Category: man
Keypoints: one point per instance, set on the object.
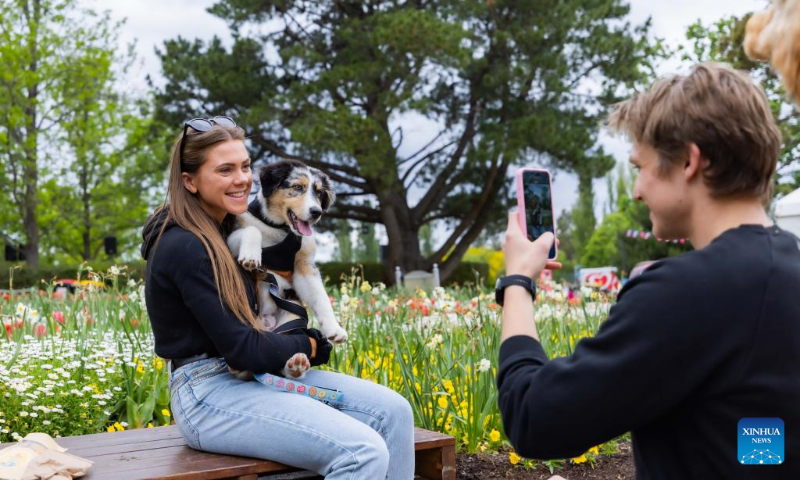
(535, 218)
(697, 342)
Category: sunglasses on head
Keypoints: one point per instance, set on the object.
(204, 125)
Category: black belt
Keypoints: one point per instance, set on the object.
(177, 363)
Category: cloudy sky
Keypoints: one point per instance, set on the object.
(150, 22)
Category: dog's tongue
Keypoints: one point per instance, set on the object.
(303, 227)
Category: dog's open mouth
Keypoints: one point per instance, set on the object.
(303, 227)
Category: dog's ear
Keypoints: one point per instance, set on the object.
(328, 195)
(272, 176)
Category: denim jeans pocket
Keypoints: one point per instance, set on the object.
(204, 372)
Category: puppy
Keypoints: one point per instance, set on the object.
(293, 197)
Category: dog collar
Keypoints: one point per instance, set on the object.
(254, 209)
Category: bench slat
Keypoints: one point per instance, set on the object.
(162, 453)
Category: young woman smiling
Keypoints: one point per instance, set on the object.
(203, 310)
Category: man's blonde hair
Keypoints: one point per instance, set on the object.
(720, 110)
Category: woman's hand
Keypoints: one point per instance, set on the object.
(524, 257)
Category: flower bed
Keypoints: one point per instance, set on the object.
(84, 363)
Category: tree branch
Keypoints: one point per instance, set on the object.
(327, 167)
(333, 214)
(423, 148)
(489, 188)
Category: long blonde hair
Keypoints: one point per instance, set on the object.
(185, 209)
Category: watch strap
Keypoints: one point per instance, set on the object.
(520, 280)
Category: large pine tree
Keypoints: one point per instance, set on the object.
(509, 82)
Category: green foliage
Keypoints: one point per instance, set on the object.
(367, 246)
(609, 246)
(722, 41)
(77, 157)
(509, 82)
(344, 245)
(493, 258)
(465, 273)
(426, 239)
(23, 276)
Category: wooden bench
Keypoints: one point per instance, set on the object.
(161, 453)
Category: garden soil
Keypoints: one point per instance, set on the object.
(483, 466)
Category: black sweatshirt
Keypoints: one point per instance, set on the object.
(187, 315)
(693, 345)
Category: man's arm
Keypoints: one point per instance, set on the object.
(518, 314)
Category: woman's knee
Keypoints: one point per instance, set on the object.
(399, 410)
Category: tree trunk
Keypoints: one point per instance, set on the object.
(403, 236)
(30, 168)
(584, 218)
(87, 211)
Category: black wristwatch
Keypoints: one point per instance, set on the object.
(521, 280)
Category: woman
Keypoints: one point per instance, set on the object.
(203, 310)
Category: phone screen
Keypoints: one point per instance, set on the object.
(538, 205)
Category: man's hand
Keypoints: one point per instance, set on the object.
(524, 257)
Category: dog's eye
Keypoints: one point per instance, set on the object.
(298, 188)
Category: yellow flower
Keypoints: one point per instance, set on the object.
(514, 458)
(594, 451)
(140, 369)
(494, 435)
(149, 425)
(118, 427)
(110, 428)
(366, 287)
(165, 412)
(580, 459)
(442, 401)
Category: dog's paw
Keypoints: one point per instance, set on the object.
(334, 332)
(250, 258)
(297, 366)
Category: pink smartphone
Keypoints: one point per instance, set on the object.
(535, 204)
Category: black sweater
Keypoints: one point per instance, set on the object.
(693, 345)
(187, 315)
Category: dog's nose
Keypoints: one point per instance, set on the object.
(315, 213)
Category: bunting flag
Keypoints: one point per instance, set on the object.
(643, 235)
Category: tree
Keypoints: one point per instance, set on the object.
(610, 246)
(111, 180)
(722, 41)
(59, 122)
(426, 237)
(367, 246)
(508, 81)
(344, 245)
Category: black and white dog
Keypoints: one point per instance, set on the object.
(293, 197)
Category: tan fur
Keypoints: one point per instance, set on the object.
(774, 35)
(303, 265)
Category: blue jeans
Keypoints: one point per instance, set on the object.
(370, 435)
